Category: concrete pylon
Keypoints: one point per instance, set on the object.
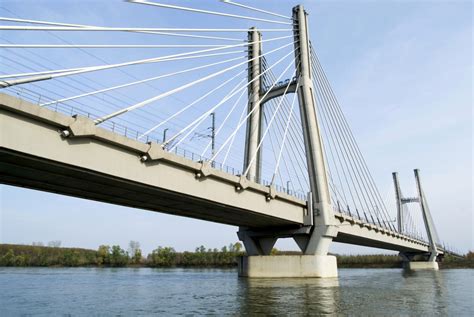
(398, 197)
(408, 258)
(324, 228)
(254, 122)
(253, 246)
(429, 225)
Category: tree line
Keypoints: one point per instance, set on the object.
(114, 256)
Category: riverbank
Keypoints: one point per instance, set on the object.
(115, 256)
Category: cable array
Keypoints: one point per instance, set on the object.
(358, 194)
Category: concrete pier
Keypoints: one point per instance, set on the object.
(422, 265)
(288, 266)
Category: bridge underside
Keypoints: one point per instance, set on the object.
(32, 172)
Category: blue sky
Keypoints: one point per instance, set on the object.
(402, 71)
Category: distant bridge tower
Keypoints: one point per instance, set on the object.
(427, 220)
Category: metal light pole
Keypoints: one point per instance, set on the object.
(213, 136)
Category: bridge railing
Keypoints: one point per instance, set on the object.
(121, 129)
(362, 216)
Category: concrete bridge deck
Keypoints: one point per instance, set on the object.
(100, 165)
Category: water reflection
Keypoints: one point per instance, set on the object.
(169, 292)
(283, 296)
(431, 286)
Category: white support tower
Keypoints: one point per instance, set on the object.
(254, 123)
(317, 243)
(429, 225)
(398, 197)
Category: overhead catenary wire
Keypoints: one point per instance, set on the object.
(194, 10)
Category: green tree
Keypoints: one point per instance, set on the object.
(8, 259)
(70, 258)
(118, 256)
(103, 255)
(162, 256)
(20, 260)
(137, 257)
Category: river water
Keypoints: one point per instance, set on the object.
(143, 291)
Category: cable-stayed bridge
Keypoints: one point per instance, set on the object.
(281, 161)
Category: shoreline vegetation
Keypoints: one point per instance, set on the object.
(37, 255)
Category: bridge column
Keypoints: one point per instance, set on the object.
(429, 225)
(324, 228)
(254, 122)
(254, 246)
(398, 197)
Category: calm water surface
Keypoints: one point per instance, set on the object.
(104, 291)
